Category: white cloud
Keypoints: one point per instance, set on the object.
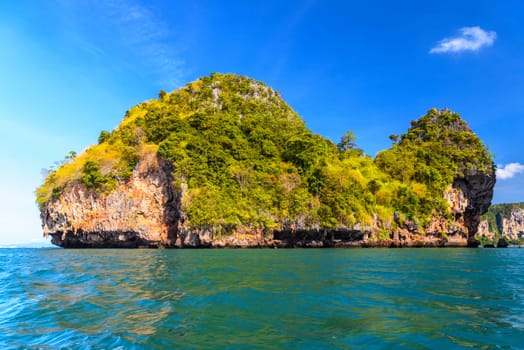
(144, 31)
(509, 171)
(131, 32)
(470, 39)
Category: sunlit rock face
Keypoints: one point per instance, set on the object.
(513, 227)
(139, 212)
(468, 197)
(510, 226)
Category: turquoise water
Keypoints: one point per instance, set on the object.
(298, 298)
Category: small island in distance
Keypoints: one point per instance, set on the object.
(225, 162)
(502, 225)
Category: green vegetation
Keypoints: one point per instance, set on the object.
(247, 159)
(94, 180)
(437, 148)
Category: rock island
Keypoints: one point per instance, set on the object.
(225, 162)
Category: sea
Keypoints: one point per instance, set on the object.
(262, 299)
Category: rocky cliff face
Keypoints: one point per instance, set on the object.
(510, 227)
(142, 211)
(513, 227)
(475, 192)
(468, 197)
(146, 211)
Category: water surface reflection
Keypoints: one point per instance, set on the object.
(336, 298)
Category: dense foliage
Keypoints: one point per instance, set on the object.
(245, 158)
(437, 148)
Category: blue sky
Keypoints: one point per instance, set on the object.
(72, 68)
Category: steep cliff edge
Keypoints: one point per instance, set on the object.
(503, 221)
(142, 211)
(478, 192)
(225, 162)
(513, 227)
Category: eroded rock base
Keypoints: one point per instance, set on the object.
(279, 239)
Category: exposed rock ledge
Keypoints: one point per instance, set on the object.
(146, 211)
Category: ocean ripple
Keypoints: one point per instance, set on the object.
(313, 298)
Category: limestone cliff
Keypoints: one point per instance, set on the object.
(504, 221)
(146, 211)
(139, 212)
(477, 192)
(513, 227)
(225, 162)
(468, 198)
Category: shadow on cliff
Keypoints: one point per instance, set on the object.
(173, 217)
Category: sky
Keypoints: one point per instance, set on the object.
(69, 69)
